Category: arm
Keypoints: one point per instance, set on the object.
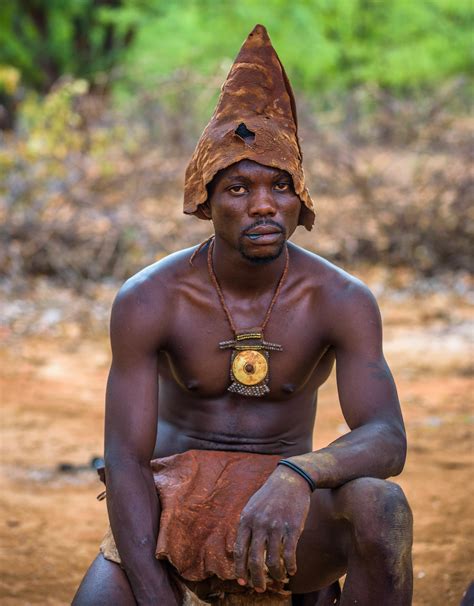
(130, 431)
(375, 446)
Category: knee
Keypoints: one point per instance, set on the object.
(382, 521)
(104, 583)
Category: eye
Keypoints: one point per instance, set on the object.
(283, 186)
(238, 190)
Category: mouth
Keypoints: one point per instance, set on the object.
(265, 238)
(264, 233)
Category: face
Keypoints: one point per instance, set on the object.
(254, 209)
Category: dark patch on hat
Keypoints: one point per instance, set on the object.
(244, 133)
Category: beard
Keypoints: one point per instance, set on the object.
(259, 260)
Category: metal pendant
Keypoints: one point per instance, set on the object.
(249, 367)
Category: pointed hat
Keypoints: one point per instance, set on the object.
(255, 119)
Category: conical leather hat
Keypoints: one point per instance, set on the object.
(255, 119)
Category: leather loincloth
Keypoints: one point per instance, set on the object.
(202, 494)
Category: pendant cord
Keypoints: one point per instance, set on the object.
(216, 284)
(199, 248)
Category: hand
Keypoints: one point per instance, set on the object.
(270, 526)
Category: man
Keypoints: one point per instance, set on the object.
(223, 348)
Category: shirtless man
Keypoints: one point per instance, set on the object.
(169, 372)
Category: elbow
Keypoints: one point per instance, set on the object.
(113, 459)
(398, 451)
(117, 462)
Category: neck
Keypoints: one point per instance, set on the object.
(236, 273)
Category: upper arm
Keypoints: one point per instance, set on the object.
(365, 384)
(136, 334)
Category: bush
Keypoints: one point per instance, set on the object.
(91, 194)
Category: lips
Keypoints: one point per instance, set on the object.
(264, 238)
(264, 234)
(261, 230)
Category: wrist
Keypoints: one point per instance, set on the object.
(298, 471)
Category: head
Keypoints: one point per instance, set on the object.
(254, 209)
(255, 120)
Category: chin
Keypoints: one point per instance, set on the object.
(264, 256)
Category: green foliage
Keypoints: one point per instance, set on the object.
(89, 194)
(53, 124)
(48, 39)
(326, 45)
(90, 189)
(55, 214)
(9, 80)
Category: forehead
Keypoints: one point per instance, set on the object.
(250, 170)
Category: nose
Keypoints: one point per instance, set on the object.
(262, 203)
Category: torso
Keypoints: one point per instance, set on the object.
(195, 408)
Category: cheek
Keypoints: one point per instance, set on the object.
(227, 216)
(291, 216)
(231, 211)
(292, 209)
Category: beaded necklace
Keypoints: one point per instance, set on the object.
(249, 371)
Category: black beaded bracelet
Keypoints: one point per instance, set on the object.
(299, 471)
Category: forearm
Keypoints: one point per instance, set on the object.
(375, 450)
(134, 512)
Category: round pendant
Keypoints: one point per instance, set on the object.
(249, 367)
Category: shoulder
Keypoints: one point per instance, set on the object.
(142, 305)
(344, 301)
(333, 282)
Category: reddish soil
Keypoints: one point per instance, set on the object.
(52, 412)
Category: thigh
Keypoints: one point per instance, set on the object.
(321, 555)
(103, 584)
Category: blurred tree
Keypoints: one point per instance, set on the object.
(326, 45)
(9, 83)
(83, 38)
(83, 192)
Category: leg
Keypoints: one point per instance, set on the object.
(363, 528)
(325, 597)
(321, 555)
(104, 584)
(380, 568)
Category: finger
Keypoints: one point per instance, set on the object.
(256, 561)
(241, 549)
(274, 556)
(289, 551)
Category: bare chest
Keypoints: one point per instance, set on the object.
(198, 363)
